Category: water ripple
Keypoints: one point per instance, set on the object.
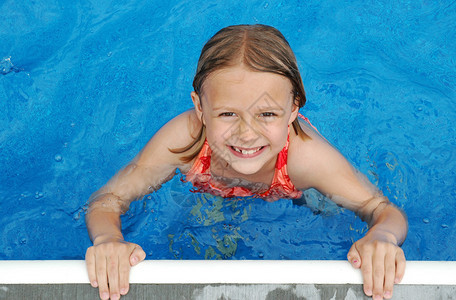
(6, 66)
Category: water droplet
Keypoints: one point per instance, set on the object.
(43, 213)
(444, 226)
(425, 220)
(261, 255)
(23, 241)
(58, 158)
(109, 54)
(73, 124)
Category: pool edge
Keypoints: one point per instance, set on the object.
(223, 271)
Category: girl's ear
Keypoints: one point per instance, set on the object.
(294, 113)
(198, 107)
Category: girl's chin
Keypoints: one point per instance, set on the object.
(245, 170)
(246, 167)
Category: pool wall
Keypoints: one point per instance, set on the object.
(223, 279)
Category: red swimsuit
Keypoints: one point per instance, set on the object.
(281, 186)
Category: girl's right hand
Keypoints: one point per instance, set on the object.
(109, 262)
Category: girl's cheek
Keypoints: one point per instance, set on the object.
(218, 133)
(223, 131)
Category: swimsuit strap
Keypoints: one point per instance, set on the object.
(307, 121)
(281, 186)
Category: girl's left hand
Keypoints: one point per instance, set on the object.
(382, 264)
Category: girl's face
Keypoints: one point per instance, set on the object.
(247, 115)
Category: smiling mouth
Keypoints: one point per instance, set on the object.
(249, 151)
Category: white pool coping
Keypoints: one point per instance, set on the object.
(223, 271)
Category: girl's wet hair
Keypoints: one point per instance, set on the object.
(258, 47)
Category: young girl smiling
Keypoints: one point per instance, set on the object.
(245, 137)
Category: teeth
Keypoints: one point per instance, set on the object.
(246, 152)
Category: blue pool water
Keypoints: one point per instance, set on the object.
(85, 84)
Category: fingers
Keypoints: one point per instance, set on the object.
(90, 264)
(400, 266)
(113, 277)
(124, 276)
(378, 271)
(102, 277)
(383, 265)
(108, 267)
(366, 271)
(353, 257)
(390, 273)
(137, 256)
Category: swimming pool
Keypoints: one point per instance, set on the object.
(84, 86)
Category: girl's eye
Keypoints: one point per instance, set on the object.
(268, 114)
(227, 114)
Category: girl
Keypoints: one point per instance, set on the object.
(245, 137)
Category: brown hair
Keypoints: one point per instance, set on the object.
(260, 48)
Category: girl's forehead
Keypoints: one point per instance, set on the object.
(240, 74)
(245, 85)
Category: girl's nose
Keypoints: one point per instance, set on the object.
(247, 132)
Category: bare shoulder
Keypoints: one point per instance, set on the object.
(180, 130)
(309, 160)
(177, 133)
(315, 163)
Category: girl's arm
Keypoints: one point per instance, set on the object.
(378, 253)
(109, 259)
(382, 261)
